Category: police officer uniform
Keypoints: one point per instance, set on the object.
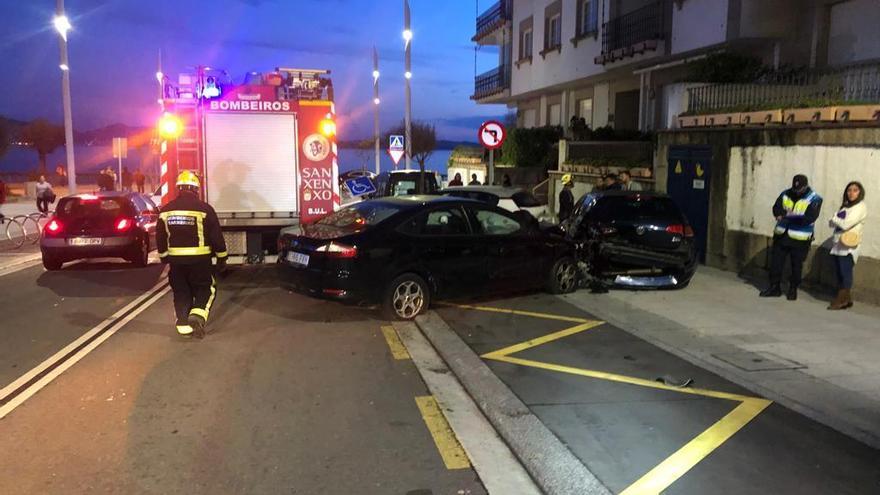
(796, 211)
(189, 236)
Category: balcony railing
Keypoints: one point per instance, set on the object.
(858, 83)
(642, 25)
(492, 82)
(492, 18)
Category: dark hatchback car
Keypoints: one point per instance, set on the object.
(403, 252)
(634, 239)
(102, 225)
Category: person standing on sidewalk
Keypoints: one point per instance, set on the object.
(45, 195)
(188, 235)
(847, 224)
(139, 180)
(566, 198)
(796, 211)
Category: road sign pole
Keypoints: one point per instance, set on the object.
(491, 180)
(120, 171)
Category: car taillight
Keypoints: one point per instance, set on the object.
(607, 230)
(688, 231)
(123, 224)
(53, 227)
(676, 229)
(337, 250)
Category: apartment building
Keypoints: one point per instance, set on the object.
(626, 63)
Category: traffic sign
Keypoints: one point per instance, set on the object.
(360, 186)
(120, 147)
(395, 147)
(492, 134)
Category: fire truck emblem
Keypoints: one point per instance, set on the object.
(316, 147)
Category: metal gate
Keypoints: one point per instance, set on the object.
(688, 185)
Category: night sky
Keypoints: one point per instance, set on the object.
(115, 43)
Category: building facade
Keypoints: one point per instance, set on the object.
(627, 63)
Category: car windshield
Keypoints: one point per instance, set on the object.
(525, 199)
(78, 208)
(635, 208)
(358, 217)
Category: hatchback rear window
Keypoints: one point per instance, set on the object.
(634, 209)
(358, 217)
(77, 208)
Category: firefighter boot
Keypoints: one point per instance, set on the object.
(198, 325)
(773, 291)
(185, 331)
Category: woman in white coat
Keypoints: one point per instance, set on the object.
(848, 224)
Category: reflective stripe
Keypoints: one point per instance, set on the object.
(184, 329)
(200, 228)
(800, 235)
(189, 251)
(182, 213)
(796, 210)
(221, 254)
(199, 312)
(163, 254)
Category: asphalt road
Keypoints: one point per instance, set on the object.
(288, 394)
(595, 387)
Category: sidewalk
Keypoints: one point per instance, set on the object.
(823, 364)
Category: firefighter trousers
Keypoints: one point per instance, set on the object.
(194, 289)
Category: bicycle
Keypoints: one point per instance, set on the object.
(14, 231)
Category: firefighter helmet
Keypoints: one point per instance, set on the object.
(187, 178)
(566, 179)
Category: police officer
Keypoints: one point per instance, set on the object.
(566, 198)
(188, 235)
(796, 210)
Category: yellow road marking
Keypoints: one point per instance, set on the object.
(398, 351)
(542, 340)
(612, 377)
(450, 450)
(546, 316)
(683, 460)
(676, 465)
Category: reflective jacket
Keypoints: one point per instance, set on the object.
(798, 215)
(189, 231)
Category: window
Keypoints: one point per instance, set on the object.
(555, 114)
(493, 223)
(448, 221)
(525, 44)
(525, 199)
(635, 209)
(588, 17)
(76, 208)
(585, 111)
(554, 32)
(354, 218)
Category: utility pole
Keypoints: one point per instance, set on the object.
(407, 36)
(376, 107)
(62, 25)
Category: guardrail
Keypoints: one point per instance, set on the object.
(640, 25)
(493, 17)
(850, 84)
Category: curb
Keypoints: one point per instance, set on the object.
(549, 462)
(613, 308)
(20, 263)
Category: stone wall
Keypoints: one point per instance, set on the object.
(750, 167)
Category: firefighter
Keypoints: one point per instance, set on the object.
(566, 198)
(188, 235)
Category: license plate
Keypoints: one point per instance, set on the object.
(85, 241)
(298, 258)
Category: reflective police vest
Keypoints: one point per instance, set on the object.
(796, 210)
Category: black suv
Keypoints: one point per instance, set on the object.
(102, 225)
(634, 239)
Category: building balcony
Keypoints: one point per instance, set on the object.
(492, 85)
(631, 34)
(493, 19)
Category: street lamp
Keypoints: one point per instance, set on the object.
(407, 37)
(376, 109)
(62, 25)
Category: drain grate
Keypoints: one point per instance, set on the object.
(758, 361)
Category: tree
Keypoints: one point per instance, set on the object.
(424, 140)
(44, 138)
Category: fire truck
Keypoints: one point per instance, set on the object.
(265, 150)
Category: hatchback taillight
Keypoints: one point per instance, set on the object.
(124, 224)
(675, 229)
(688, 231)
(53, 227)
(337, 250)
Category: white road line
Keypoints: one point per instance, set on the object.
(52, 361)
(20, 264)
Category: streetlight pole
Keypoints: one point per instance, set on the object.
(62, 25)
(376, 107)
(407, 36)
